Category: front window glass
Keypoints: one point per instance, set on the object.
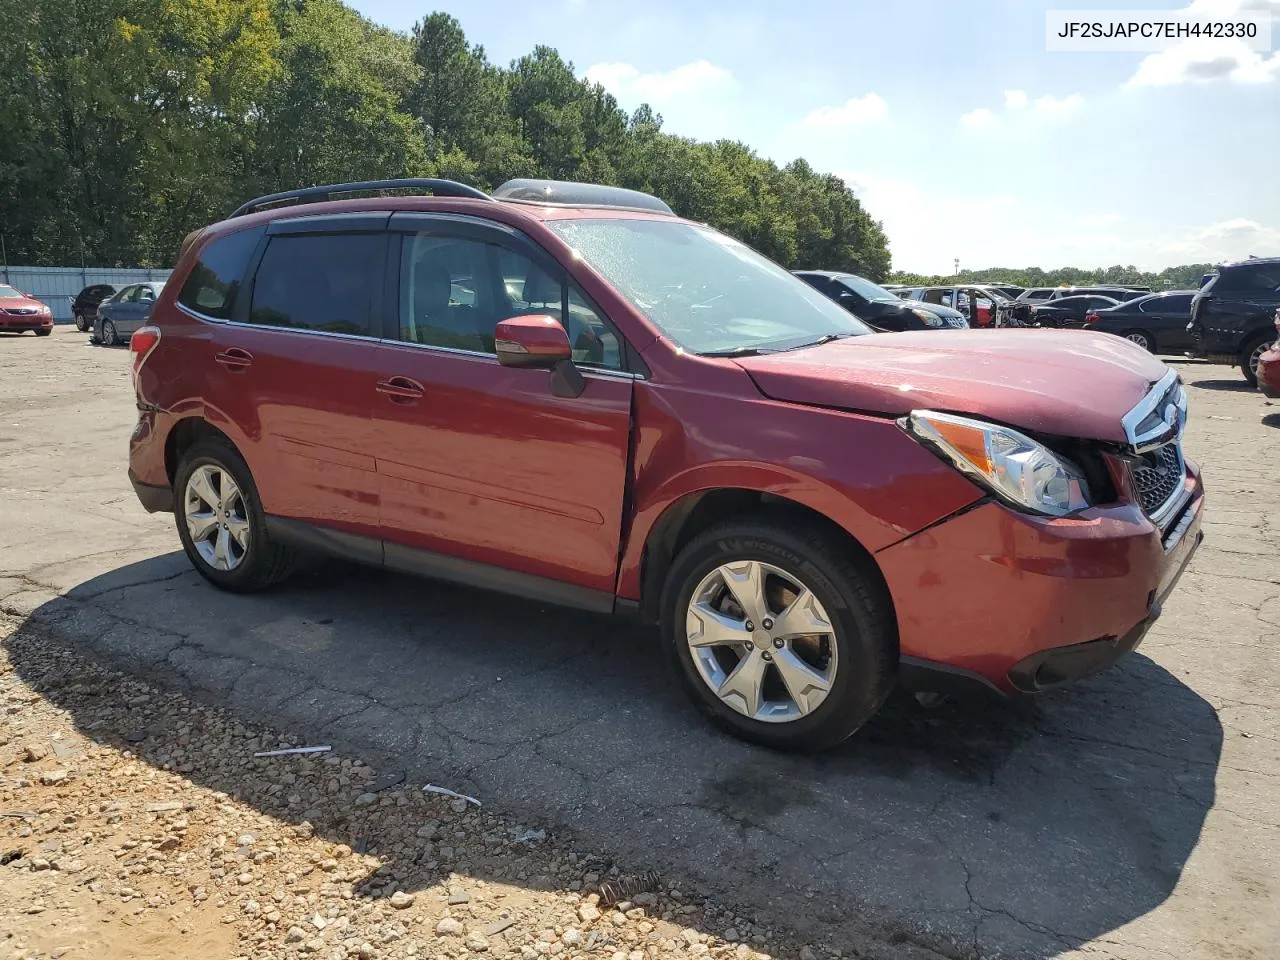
(706, 291)
(7, 292)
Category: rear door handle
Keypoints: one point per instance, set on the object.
(401, 389)
(234, 359)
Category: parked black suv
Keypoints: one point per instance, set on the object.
(84, 305)
(1233, 315)
(878, 307)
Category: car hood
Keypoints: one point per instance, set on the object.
(1066, 383)
(7, 303)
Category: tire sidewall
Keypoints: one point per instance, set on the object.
(109, 337)
(859, 688)
(222, 455)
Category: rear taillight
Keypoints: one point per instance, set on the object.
(1091, 318)
(141, 345)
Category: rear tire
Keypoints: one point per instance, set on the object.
(1254, 349)
(238, 554)
(109, 337)
(1142, 339)
(836, 676)
(81, 323)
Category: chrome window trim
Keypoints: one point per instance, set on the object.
(456, 351)
(585, 371)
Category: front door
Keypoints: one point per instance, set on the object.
(479, 462)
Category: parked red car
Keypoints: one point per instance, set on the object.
(566, 392)
(1269, 366)
(19, 313)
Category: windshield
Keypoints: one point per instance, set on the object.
(7, 292)
(866, 288)
(706, 291)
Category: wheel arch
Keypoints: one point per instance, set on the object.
(184, 435)
(690, 514)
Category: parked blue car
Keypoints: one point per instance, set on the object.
(122, 314)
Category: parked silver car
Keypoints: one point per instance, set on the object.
(122, 314)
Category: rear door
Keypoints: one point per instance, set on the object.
(1167, 318)
(294, 369)
(480, 463)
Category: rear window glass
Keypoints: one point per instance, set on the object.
(318, 282)
(212, 284)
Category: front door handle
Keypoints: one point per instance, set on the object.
(234, 359)
(401, 389)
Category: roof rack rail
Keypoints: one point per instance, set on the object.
(440, 188)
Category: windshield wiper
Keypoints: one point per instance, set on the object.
(736, 352)
(825, 338)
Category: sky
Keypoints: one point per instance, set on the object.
(950, 120)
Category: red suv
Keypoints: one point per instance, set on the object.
(566, 392)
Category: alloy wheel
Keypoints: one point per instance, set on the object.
(1140, 339)
(1256, 357)
(761, 641)
(216, 517)
(108, 333)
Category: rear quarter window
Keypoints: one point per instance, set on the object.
(212, 285)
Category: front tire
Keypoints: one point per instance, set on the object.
(81, 324)
(43, 333)
(109, 337)
(1249, 356)
(779, 634)
(221, 523)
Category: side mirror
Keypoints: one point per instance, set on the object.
(536, 341)
(539, 342)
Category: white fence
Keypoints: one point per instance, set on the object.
(57, 285)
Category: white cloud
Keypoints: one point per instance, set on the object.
(1232, 239)
(854, 112)
(624, 80)
(1017, 100)
(1052, 105)
(927, 227)
(982, 117)
(1204, 61)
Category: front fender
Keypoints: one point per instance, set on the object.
(863, 473)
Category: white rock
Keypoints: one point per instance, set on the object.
(401, 900)
(449, 927)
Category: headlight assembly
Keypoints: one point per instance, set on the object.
(1011, 465)
(929, 319)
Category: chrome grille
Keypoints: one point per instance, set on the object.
(1157, 476)
(22, 311)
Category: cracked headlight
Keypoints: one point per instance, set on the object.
(1011, 465)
